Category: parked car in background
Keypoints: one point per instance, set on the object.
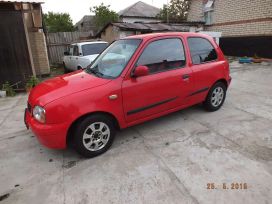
(134, 80)
(80, 55)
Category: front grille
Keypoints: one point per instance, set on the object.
(29, 107)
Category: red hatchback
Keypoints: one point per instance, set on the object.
(135, 79)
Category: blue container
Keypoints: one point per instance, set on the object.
(245, 60)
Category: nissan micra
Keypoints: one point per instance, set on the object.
(134, 80)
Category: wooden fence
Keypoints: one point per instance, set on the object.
(58, 43)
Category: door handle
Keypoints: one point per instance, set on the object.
(185, 76)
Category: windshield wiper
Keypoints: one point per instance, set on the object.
(94, 71)
(97, 73)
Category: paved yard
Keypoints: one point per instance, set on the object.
(167, 160)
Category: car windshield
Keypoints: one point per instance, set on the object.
(93, 49)
(112, 61)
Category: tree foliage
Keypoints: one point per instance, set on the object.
(58, 22)
(177, 11)
(103, 15)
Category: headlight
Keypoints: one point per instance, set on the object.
(39, 114)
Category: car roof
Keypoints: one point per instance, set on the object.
(89, 42)
(170, 34)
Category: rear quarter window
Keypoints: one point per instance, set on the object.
(202, 51)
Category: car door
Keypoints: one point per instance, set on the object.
(75, 57)
(68, 58)
(205, 65)
(165, 87)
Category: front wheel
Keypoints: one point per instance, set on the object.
(216, 97)
(65, 68)
(94, 135)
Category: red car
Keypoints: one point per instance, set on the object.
(135, 79)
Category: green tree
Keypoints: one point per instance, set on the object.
(58, 22)
(103, 15)
(175, 11)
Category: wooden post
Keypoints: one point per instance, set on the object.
(27, 42)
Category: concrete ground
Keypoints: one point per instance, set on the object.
(168, 160)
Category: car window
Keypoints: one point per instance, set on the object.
(93, 49)
(201, 50)
(163, 55)
(71, 48)
(75, 50)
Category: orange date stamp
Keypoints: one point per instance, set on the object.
(226, 186)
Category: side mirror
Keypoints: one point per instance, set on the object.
(66, 53)
(140, 71)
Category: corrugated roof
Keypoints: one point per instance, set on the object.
(153, 27)
(140, 9)
(22, 1)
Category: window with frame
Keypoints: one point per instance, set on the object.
(75, 51)
(201, 50)
(208, 8)
(208, 17)
(162, 55)
(71, 48)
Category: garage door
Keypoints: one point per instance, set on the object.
(14, 57)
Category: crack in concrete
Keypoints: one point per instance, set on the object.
(13, 136)
(168, 170)
(256, 116)
(237, 147)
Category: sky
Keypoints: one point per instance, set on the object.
(78, 8)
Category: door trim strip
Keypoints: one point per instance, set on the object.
(151, 106)
(199, 91)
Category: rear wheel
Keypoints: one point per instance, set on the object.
(65, 68)
(94, 135)
(216, 97)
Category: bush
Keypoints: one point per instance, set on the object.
(31, 83)
(8, 88)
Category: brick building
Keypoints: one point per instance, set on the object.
(23, 50)
(246, 25)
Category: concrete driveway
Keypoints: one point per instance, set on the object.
(168, 160)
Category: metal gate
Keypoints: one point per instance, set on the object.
(15, 63)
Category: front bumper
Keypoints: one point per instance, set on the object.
(50, 135)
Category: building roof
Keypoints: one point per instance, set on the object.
(140, 9)
(153, 27)
(22, 1)
(86, 18)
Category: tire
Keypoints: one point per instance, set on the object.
(79, 68)
(215, 97)
(65, 68)
(94, 135)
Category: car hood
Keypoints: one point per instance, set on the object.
(64, 85)
(90, 57)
